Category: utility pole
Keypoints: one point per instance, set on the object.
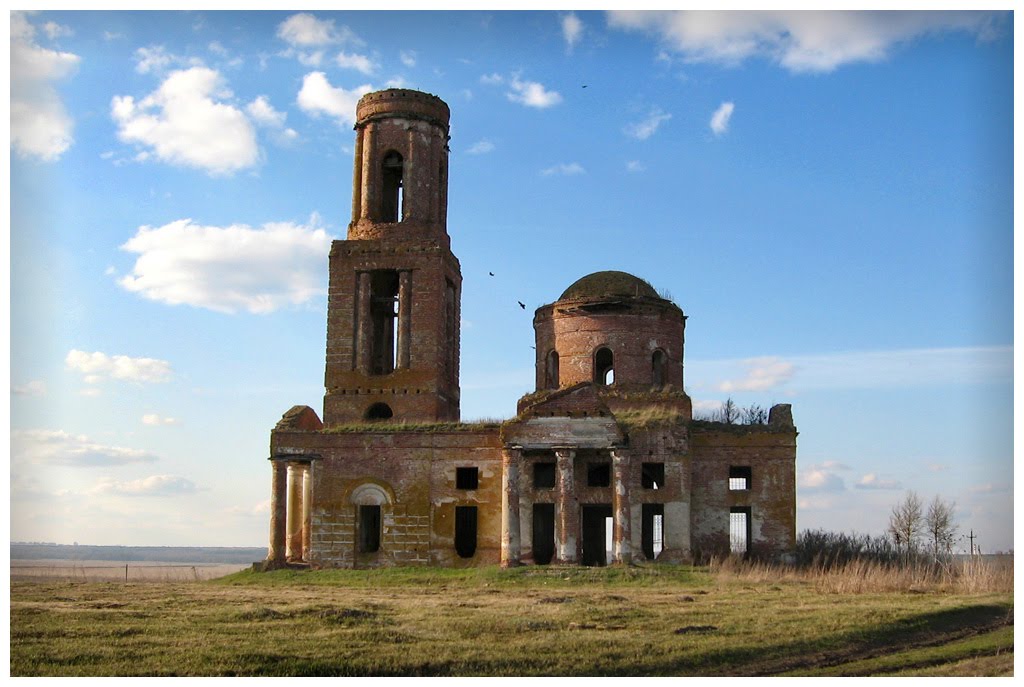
(972, 537)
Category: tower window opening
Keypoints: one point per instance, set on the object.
(392, 202)
(658, 369)
(384, 313)
(551, 370)
(379, 411)
(604, 368)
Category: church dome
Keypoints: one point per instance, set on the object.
(609, 283)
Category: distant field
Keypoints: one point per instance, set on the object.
(119, 571)
(659, 620)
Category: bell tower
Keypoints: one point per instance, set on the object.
(395, 287)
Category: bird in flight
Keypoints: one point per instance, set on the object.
(491, 273)
(521, 305)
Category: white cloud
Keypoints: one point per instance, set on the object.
(305, 30)
(156, 485)
(112, 35)
(873, 481)
(152, 59)
(408, 57)
(53, 30)
(532, 94)
(572, 30)
(799, 41)
(361, 63)
(819, 478)
(40, 125)
(185, 122)
(154, 420)
(835, 465)
(481, 147)
(635, 166)
(260, 509)
(96, 367)
(720, 119)
(564, 169)
(264, 114)
(646, 128)
(396, 82)
(34, 388)
(56, 447)
(216, 47)
(318, 96)
(227, 269)
(492, 79)
(762, 374)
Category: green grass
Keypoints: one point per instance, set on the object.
(657, 620)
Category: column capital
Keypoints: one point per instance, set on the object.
(565, 451)
(620, 455)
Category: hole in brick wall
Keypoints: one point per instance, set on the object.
(652, 475)
(391, 192)
(652, 529)
(599, 474)
(465, 531)
(379, 411)
(658, 369)
(543, 533)
(551, 370)
(604, 372)
(543, 475)
(467, 478)
(369, 529)
(739, 477)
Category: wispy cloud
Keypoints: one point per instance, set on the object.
(720, 119)
(564, 169)
(481, 147)
(97, 366)
(155, 485)
(799, 41)
(56, 447)
(317, 96)
(572, 30)
(762, 374)
(34, 388)
(154, 420)
(361, 63)
(646, 127)
(532, 94)
(635, 166)
(873, 481)
(408, 57)
(820, 478)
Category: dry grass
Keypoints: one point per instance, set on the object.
(114, 571)
(960, 576)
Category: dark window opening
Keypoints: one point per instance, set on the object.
(369, 529)
(658, 369)
(599, 474)
(391, 209)
(379, 411)
(465, 531)
(551, 371)
(652, 529)
(543, 533)
(652, 475)
(543, 475)
(739, 530)
(739, 477)
(596, 531)
(467, 478)
(384, 314)
(604, 372)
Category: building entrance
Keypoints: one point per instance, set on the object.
(594, 525)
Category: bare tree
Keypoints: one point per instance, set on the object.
(906, 523)
(729, 413)
(754, 415)
(939, 526)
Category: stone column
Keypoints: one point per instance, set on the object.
(357, 178)
(307, 508)
(364, 339)
(369, 187)
(567, 525)
(622, 531)
(294, 512)
(404, 317)
(510, 532)
(278, 510)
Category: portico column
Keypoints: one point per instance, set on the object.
(294, 512)
(307, 512)
(621, 532)
(365, 320)
(278, 510)
(404, 317)
(510, 532)
(567, 525)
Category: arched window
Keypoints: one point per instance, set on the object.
(379, 411)
(604, 367)
(391, 188)
(551, 370)
(658, 369)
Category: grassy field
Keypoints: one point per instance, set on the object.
(529, 621)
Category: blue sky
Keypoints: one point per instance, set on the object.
(828, 196)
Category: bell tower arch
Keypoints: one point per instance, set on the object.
(395, 286)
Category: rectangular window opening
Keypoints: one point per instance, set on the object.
(652, 529)
(739, 477)
(467, 478)
(652, 476)
(543, 475)
(369, 529)
(465, 531)
(599, 474)
(384, 315)
(739, 531)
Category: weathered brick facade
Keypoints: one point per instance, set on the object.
(604, 451)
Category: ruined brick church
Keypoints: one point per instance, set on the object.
(603, 463)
